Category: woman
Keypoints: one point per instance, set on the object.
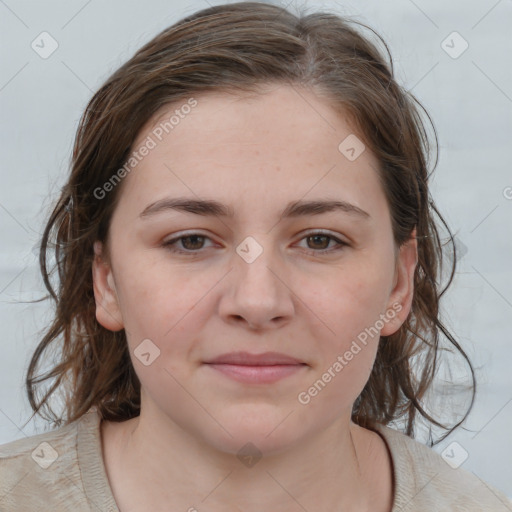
(248, 271)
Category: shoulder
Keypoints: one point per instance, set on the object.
(41, 471)
(424, 481)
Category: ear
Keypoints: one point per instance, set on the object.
(108, 312)
(400, 299)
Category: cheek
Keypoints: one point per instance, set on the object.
(347, 301)
(346, 358)
(154, 296)
(170, 313)
(349, 306)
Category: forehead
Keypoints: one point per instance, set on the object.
(236, 116)
(273, 147)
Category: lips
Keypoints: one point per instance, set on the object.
(247, 359)
(256, 369)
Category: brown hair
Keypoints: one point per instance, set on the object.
(236, 48)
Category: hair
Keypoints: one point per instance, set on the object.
(239, 48)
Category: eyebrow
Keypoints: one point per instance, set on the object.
(213, 208)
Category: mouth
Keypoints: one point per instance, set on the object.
(256, 368)
(247, 359)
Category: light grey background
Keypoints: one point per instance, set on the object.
(469, 98)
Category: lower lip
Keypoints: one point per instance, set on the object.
(257, 374)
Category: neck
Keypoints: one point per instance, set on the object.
(336, 469)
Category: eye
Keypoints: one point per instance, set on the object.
(194, 242)
(191, 242)
(320, 240)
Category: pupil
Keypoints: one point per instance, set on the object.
(316, 237)
(190, 237)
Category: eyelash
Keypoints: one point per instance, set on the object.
(170, 243)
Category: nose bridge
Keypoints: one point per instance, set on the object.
(259, 294)
(257, 264)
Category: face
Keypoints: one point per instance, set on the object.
(316, 284)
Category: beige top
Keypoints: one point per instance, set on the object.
(63, 470)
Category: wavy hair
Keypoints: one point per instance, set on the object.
(236, 48)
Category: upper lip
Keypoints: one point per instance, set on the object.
(247, 359)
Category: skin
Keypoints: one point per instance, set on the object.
(255, 153)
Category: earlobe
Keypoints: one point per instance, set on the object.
(108, 312)
(400, 299)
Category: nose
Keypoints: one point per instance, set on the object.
(258, 294)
